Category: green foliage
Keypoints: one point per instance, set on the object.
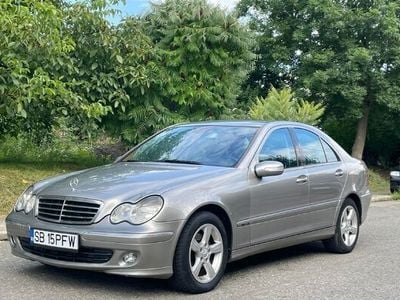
(345, 54)
(30, 42)
(341, 129)
(141, 110)
(378, 180)
(55, 151)
(39, 73)
(183, 61)
(383, 140)
(282, 105)
(93, 72)
(204, 53)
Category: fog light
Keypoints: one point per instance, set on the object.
(129, 258)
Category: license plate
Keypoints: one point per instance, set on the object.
(54, 239)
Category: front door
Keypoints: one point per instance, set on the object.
(277, 202)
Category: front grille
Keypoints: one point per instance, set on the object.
(84, 255)
(68, 211)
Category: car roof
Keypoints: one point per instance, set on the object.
(240, 123)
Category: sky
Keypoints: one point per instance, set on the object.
(138, 7)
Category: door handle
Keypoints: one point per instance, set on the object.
(339, 173)
(302, 179)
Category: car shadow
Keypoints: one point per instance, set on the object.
(98, 281)
(271, 257)
(125, 286)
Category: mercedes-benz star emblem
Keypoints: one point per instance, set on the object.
(74, 183)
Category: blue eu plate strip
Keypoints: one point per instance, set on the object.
(31, 234)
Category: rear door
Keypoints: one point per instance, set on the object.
(325, 174)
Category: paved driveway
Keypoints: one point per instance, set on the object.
(371, 271)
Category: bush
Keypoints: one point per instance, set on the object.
(282, 105)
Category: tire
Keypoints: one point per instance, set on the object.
(347, 229)
(204, 256)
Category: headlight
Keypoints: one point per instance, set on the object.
(26, 201)
(395, 173)
(30, 204)
(138, 213)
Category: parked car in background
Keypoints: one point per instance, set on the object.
(395, 181)
(194, 197)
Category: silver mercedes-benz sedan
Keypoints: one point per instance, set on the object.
(192, 198)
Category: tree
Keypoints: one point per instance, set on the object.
(64, 62)
(94, 66)
(343, 53)
(30, 42)
(38, 70)
(205, 53)
(184, 60)
(142, 110)
(282, 105)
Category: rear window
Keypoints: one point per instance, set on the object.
(311, 147)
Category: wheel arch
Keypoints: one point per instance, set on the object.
(222, 214)
(357, 201)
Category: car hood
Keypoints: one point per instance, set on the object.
(128, 181)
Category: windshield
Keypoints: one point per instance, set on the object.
(204, 145)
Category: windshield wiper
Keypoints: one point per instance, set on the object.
(179, 161)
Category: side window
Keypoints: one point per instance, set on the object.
(331, 155)
(311, 146)
(279, 147)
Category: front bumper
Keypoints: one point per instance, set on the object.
(152, 243)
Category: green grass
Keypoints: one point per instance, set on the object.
(379, 181)
(59, 150)
(396, 196)
(23, 162)
(15, 177)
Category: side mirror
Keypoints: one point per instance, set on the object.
(268, 168)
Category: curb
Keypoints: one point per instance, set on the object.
(380, 198)
(3, 233)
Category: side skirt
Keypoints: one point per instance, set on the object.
(297, 239)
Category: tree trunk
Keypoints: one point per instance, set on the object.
(361, 135)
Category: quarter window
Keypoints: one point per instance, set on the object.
(331, 156)
(311, 147)
(279, 147)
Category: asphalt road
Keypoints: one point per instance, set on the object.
(371, 271)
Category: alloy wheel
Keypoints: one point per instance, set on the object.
(206, 253)
(349, 225)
